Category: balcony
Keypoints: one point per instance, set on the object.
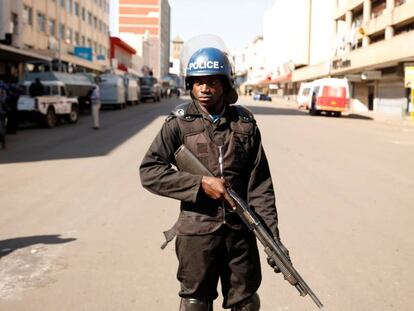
(380, 54)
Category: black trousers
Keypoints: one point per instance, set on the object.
(226, 254)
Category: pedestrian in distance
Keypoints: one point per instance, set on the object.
(95, 106)
(36, 88)
(212, 242)
(3, 119)
(14, 92)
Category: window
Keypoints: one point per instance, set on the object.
(41, 22)
(62, 3)
(83, 41)
(89, 43)
(14, 23)
(399, 2)
(333, 91)
(69, 5)
(83, 14)
(52, 27)
(89, 18)
(28, 15)
(61, 31)
(68, 35)
(55, 90)
(76, 8)
(77, 38)
(378, 7)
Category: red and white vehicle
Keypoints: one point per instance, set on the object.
(328, 94)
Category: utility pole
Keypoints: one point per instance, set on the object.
(59, 36)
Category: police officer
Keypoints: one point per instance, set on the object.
(212, 243)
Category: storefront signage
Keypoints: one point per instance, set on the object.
(409, 77)
(83, 52)
(341, 63)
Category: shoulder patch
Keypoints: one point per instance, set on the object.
(181, 112)
(244, 113)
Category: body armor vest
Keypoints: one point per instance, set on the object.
(235, 135)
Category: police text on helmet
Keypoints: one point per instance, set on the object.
(204, 65)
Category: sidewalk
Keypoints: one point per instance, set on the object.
(379, 117)
(387, 119)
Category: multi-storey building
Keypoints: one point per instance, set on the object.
(374, 41)
(254, 61)
(176, 47)
(149, 19)
(296, 34)
(74, 31)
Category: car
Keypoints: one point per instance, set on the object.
(262, 96)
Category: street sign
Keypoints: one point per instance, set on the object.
(409, 77)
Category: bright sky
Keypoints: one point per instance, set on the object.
(236, 21)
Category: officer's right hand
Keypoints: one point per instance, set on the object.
(215, 188)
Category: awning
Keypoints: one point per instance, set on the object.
(10, 53)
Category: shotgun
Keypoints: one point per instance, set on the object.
(188, 162)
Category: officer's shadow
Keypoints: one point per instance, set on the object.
(10, 245)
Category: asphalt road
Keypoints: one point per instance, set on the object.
(78, 232)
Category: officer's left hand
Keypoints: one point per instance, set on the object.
(285, 251)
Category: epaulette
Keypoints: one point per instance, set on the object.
(244, 113)
(181, 112)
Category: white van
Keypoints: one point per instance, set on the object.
(327, 94)
(304, 95)
(48, 108)
(132, 90)
(112, 90)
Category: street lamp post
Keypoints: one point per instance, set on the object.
(59, 38)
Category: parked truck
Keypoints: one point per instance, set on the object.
(49, 108)
(78, 85)
(149, 88)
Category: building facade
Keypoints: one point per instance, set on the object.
(176, 47)
(74, 31)
(373, 43)
(149, 19)
(296, 34)
(121, 55)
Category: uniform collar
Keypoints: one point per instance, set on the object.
(195, 109)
